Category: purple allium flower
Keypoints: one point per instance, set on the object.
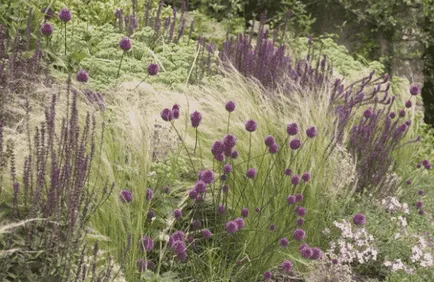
(230, 106)
(229, 141)
(251, 173)
(335, 261)
(359, 219)
(175, 107)
(206, 233)
(182, 256)
(419, 204)
(408, 122)
(302, 246)
(306, 252)
(218, 148)
(269, 140)
(291, 199)
(299, 234)
(421, 192)
(288, 172)
(257, 210)
(196, 224)
(175, 113)
(125, 44)
(166, 114)
(418, 166)
(178, 235)
(267, 275)
(392, 115)
(311, 132)
(146, 243)
(298, 197)
(227, 168)
(82, 76)
(421, 212)
(225, 188)
(195, 119)
(177, 214)
(292, 129)
(295, 179)
(300, 222)
(316, 253)
(231, 227)
(245, 212)
(284, 242)
(240, 222)
(306, 176)
(368, 113)
(47, 29)
(251, 125)
(199, 198)
(207, 176)
(152, 69)
(428, 166)
(408, 104)
(273, 149)
(200, 186)
(402, 113)
(65, 15)
(48, 13)
(234, 155)
(126, 196)
(286, 266)
(179, 247)
(221, 210)
(148, 194)
(166, 189)
(272, 227)
(300, 211)
(409, 182)
(151, 214)
(414, 89)
(219, 157)
(295, 144)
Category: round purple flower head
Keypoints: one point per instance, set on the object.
(421, 212)
(182, 256)
(151, 214)
(148, 194)
(65, 15)
(225, 188)
(47, 29)
(178, 235)
(267, 275)
(251, 125)
(200, 186)
(166, 114)
(300, 211)
(175, 113)
(179, 247)
(251, 173)
(295, 144)
(217, 148)
(245, 212)
(82, 76)
(126, 196)
(306, 176)
(234, 155)
(257, 210)
(152, 69)
(272, 227)
(146, 243)
(316, 253)
(414, 89)
(269, 140)
(291, 199)
(284, 242)
(231, 227)
(125, 44)
(408, 122)
(300, 222)
(392, 115)
(240, 222)
(409, 182)
(419, 204)
(48, 13)
(408, 104)
(421, 192)
(207, 176)
(425, 162)
(206, 233)
(299, 234)
(306, 252)
(286, 265)
(118, 13)
(298, 197)
(311, 132)
(359, 219)
(219, 157)
(273, 148)
(288, 172)
(335, 261)
(229, 141)
(221, 210)
(195, 119)
(175, 107)
(402, 113)
(177, 214)
(227, 168)
(292, 129)
(166, 189)
(368, 113)
(295, 179)
(230, 106)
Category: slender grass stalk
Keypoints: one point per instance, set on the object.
(65, 38)
(120, 63)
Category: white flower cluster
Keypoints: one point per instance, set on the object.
(398, 265)
(353, 246)
(392, 204)
(421, 254)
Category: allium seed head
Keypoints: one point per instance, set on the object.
(267, 275)
(335, 261)
(200, 186)
(177, 214)
(295, 144)
(292, 129)
(48, 13)
(47, 29)
(402, 113)
(257, 210)
(368, 113)
(221, 210)
(227, 168)
(408, 122)
(306, 252)
(207, 176)
(300, 211)
(126, 196)
(419, 204)
(225, 188)
(195, 119)
(175, 107)
(218, 148)
(182, 256)
(151, 214)
(125, 44)
(179, 247)
(65, 15)
(392, 115)
(300, 222)
(251, 125)
(421, 192)
(230, 106)
(299, 234)
(272, 227)
(359, 219)
(311, 132)
(409, 182)
(234, 155)
(219, 157)
(196, 224)
(229, 141)
(175, 114)
(152, 69)
(421, 212)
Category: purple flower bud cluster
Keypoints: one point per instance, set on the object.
(222, 149)
(126, 196)
(167, 114)
(425, 163)
(82, 76)
(65, 15)
(125, 44)
(251, 125)
(195, 118)
(152, 69)
(47, 29)
(146, 243)
(359, 219)
(177, 244)
(310, 253)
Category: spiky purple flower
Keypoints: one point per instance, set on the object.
(421, 212)
(316, 254)
(284, 242)
(82, 76)
(206, 233)
(229, 141)
(421, 192)
(207, 176)
(267, 275)
(298, 197)
(221, 210)
(272, 227)
(300, 211)
(288, 172)
(152, 69)
(392, 115)
(273, 148)
(225, 188)
(240, 222)
(269, 140)
(414, 89)
(368, 113)
(166, 114)
(48, 13)
(200, 186)
(257, 210)
(231, 227)
(402, 113)
(219, 157)
(359, 219)
(179, 247)
(419, 204)
(218, 148)
(408, 104)
(146, 243)
(306, 176)
(196, 224)
(286, 265)
(335, 261)
(151, 214)
(251, 125)
(291, 199)
(311, 132)
(306, 252)
(300, 222)
(175, 113)
(126, 196)
(195, 119)
(295, 144)
(234, 155)
(125, 44)
(65, 15)
(227, 168)
(295, 179)
(178, 235)
(245, 212)
(299, 234)
(230, 106)
(47, 29)
(148, 194)
(251, 173)
(292, 129)
(144, 265)
(177, 214)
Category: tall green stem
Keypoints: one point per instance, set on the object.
(65, 38)
(120, 63)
